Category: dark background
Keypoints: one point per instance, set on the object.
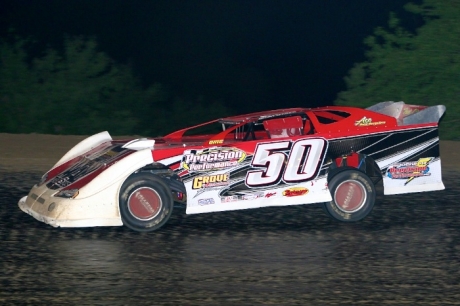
(272, 53)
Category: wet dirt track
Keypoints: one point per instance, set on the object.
(406, 253)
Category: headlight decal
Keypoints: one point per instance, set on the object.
(69, 193)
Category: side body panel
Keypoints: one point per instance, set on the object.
(409, 159)
(256, 174)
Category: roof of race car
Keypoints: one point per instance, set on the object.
(261, 115)
(380, 115)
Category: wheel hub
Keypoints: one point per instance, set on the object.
(144, 204)
(350, 196)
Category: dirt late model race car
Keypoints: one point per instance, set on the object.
(329, 155)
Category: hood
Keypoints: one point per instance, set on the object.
(80, 170)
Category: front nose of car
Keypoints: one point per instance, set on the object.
(39, 204)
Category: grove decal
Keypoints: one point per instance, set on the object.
(368, 122)
(209, 181)
(212, 159)
(295, 191)
(410, 170)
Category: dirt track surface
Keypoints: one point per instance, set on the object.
(407, 252)
(34, 152)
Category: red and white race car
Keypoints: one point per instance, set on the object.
(330, 155)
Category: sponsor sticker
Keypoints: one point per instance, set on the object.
(295, 191)
(212, 159)
(270, 194)
(252, 196)
(227, 199)
(207, 201)
(410, 170)
(368, 122)
(217, 141)
(411, 109)
(208, 181)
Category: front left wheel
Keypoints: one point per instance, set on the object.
(146, 202)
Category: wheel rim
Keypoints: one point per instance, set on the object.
(144, 204)
(350, 196)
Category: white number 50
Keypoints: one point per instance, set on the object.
(302, 163)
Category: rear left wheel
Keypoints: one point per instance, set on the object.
(353, 196)
(146, 202)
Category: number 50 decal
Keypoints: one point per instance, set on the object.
(302, 164)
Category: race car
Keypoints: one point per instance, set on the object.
(333, 155)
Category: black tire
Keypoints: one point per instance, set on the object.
(353, 196)
(146, 202)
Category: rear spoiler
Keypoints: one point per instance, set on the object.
(406, 114)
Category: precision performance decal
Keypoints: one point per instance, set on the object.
(212, 159)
